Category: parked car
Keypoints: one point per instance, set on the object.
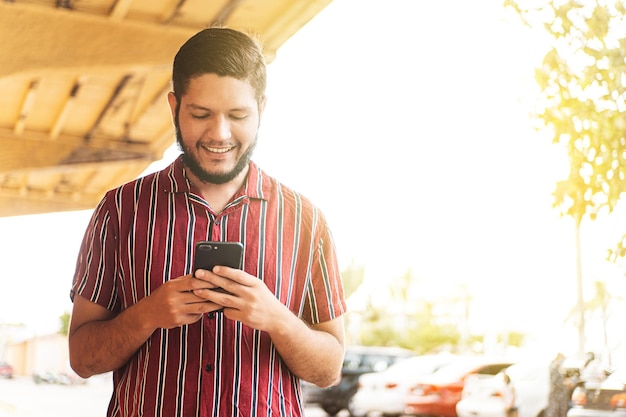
(438, 393)
(59, 378)
(607, 400)
(6, 370)
(526, 382)
(358, 360)
(385, 392)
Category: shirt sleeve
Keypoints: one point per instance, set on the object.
(96, 266)
(325, 295)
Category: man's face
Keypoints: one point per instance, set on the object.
(216, 127)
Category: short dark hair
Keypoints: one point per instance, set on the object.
(221, 51)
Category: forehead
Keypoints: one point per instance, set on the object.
(212, 88)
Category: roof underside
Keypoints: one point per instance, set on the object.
(84, 82)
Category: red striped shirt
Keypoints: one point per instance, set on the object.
(143, 234)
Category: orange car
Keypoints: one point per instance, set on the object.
(438, 393)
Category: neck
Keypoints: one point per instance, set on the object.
(218, 195)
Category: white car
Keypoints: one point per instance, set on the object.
(384, 392)
(488, 396)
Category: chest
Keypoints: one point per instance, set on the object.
(157, 244)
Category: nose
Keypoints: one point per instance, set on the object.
(220, 128)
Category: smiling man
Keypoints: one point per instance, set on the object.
(175, 346)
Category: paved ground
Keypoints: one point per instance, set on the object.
(21, 397)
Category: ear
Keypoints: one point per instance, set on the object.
(171, 99)
(261, 109)
(262, 103)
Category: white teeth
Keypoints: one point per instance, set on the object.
(218, 150)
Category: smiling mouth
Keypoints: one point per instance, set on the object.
(218, 150)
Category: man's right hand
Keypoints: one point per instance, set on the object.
(100, 341)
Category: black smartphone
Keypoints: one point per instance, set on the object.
(209, 254)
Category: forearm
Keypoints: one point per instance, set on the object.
(101, 346)
(313, 353)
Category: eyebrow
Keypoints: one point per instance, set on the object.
(193, 106)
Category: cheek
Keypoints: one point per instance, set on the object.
(247, 135)
(249, 130)
(190, 129)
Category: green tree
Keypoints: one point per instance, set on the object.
(599, 306)
(425, 334)
(406, 320)
(352, 278)
(64, 320)
(581, 105)
(420, 333)
(377, 329)
(515, 339)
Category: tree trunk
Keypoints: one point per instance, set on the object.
(579, 285)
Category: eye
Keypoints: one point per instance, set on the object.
(201, 116)
(238, 116)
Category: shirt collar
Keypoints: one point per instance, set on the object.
(258, 184)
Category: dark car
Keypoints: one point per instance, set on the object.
(6, 370)
(606, 400)
(358, 360)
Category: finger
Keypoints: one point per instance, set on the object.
(211, 280)
(209, 294)
(203, 306)
(190, 297)
(201, 274)
(204, 277)
(217, 296)
(234, 275)
(200, 280)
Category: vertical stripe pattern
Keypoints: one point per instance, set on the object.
(142, 234)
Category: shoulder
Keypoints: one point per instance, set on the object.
(280, 190)
(171, 178)
(145, 189)
(289, 199)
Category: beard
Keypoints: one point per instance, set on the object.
(202, 174)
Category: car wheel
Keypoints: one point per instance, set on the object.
(331, 409)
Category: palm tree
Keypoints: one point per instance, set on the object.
(598, 305)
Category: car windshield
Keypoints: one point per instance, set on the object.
(370, 360)
(526, 370)
(457, 369)
(418, 365)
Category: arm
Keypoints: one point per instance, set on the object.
(312, 352)
(100, 341)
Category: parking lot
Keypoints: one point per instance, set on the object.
(21, 397)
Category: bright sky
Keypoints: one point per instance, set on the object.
(405, 121)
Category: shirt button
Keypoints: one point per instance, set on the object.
(208, 368)
(211, 315)
(217, 222)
